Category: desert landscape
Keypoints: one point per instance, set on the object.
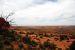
(49, 37)
(36, 37)
(37, 24)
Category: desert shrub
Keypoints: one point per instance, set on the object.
(1, 45)
(6, 42)
(41, 47)
(27, 34)
(18, 38)
(72, 37)
(72, 46)
(41, 36)
(46, 35)
(56, 39)
(67, 49)
(51, 46)
(26, 40)
(63, 37)
(33, 43)
(59, 48)
(32, 33)
(21, 46)
(51, 35)
(10, 36)
(9, 48)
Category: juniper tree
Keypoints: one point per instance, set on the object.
(4, 31)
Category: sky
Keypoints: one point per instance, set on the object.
(39, 12)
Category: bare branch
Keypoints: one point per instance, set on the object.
(11, 20)
(9, 15)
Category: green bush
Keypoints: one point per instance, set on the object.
(33, 43)
(26, 40)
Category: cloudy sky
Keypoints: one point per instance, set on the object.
(40, 12)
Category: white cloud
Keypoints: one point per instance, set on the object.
(41, 12)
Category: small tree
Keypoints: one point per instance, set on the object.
(4, 31)
(4, 24)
